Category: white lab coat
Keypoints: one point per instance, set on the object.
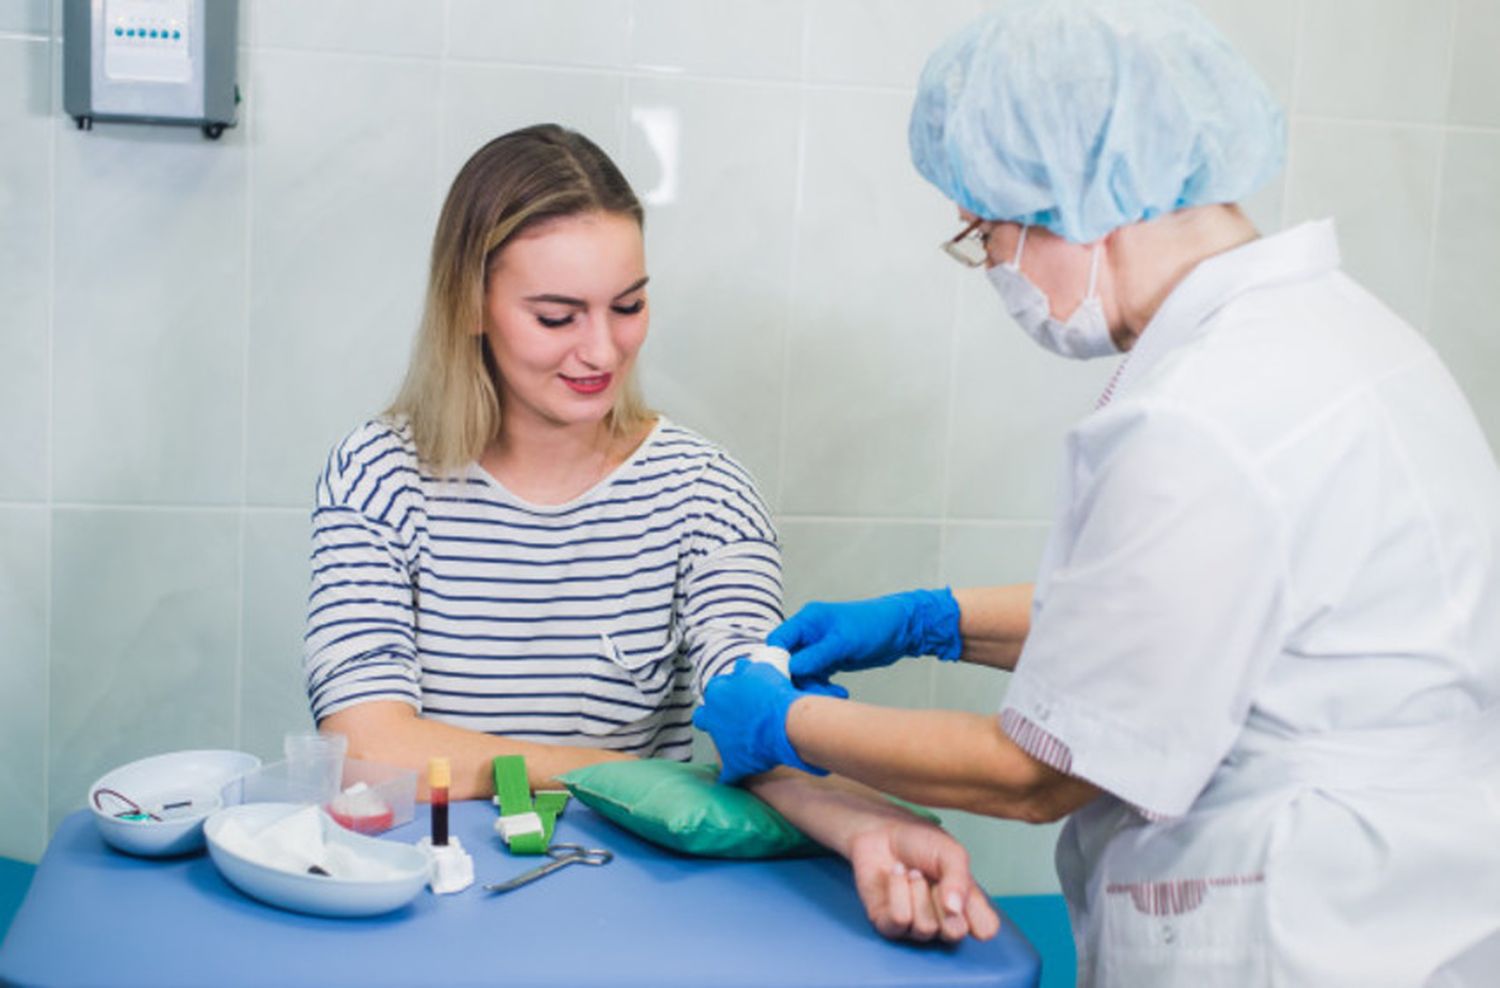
(1268, 627)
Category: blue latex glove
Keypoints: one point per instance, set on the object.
(745, 712)
(865, 634)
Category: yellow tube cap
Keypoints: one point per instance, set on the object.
(439, 773)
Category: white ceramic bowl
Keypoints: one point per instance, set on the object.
(197, 777)
(319, 895)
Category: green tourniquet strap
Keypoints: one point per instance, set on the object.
(511, 787)
(550, 802)
(532, 843)
(513, 793)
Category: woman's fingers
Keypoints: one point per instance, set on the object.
(925, 924)
(982, 919)
(898, 905)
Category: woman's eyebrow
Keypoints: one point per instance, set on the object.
(558, 299)
(635, 287)
(580, 303)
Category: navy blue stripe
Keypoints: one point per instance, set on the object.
(356, 483)
(648, 708)
(546, 581)
(552, 714)
(404, 606)
(380, 633)
(593, 636)
(579, 561)
(655, 511)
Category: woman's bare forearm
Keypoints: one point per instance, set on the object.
(829, 809)
(994, 622)
(391, 731)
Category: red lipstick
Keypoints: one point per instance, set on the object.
(588, 385)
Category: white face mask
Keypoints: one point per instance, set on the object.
(1082, 335)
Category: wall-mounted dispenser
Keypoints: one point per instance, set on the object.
(151, 61)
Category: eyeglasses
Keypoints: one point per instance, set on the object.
(970, 247)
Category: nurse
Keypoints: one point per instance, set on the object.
(1259, 669)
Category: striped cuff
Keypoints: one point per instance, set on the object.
(1037, 743)
(1047, 749)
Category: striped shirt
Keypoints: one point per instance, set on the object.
(594, 622)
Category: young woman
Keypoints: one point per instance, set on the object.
(520, 558)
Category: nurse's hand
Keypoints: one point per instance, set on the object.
(745, 713)
(865, 634)
(913, 878)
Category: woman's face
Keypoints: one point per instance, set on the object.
(565, 313)
(1056, 266)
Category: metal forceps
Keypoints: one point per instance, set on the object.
(562, 855)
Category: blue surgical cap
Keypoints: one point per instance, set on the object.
(1084, 115)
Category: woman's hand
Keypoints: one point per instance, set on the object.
(913, 878)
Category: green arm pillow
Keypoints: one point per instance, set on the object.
(682, 807)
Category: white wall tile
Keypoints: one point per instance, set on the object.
(143, 641)
(149, 325)
(977, 555)
(850, 560)
(760, 40)
(23, 698)
(1378, 183)
(716, 165)
(1375, 59)
(872, 321)
(1265, 33)
(272, 700)
(390, 27)
(1266, 206)
(1466, 264)
(1475, 94)
(481, 102)
(25, 272)
(344, 206)
(1013, 403)
(982, 556)
(558, 32)
(878, 42)
(25, 17)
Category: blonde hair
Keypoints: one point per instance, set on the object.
(450, 397)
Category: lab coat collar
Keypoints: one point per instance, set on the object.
(1304, 251)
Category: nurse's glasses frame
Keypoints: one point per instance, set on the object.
(970, 248)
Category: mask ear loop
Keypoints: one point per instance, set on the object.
(1094, 272)
(1015, 264)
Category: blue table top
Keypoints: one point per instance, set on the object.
(650, 918)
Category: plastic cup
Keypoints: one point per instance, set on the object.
(315, 760)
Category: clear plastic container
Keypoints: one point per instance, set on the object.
(315, 757)
(371, 798)
(375, 797)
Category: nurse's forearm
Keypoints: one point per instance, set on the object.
(994, 622)
(391, 731)
(933, 757)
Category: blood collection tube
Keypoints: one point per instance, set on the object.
(439, 775)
